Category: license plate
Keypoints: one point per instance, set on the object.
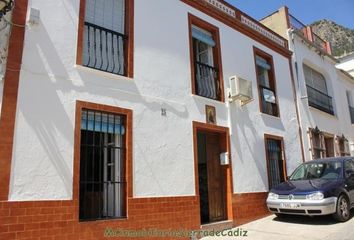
(290, 205)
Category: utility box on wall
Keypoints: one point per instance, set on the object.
(240, 89)
(224, 158)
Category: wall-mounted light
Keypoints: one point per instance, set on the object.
(5, 6)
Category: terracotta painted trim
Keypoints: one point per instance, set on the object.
(272, 77)
(297, 108)
(238, 26)
(80, 35)
(281, 139)
(10, 94)
(225, 146)
(129, 32)
(80, 105)
(193, 20)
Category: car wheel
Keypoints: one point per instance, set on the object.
(342, 213)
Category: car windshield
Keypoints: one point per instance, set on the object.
(319, 170)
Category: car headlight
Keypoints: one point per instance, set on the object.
(273, 196)
(315, 196)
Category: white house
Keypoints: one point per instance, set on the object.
(324, 93)
(117, 114)
(346, 63)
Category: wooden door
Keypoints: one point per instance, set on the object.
(216, 179)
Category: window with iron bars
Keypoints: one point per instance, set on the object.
(276, 164)
(104, 38)
(102, 166)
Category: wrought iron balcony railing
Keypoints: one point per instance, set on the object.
(308, 33)
(104, 49)
(319, 100)
(207, 81)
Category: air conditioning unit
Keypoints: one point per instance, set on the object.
(240, 89)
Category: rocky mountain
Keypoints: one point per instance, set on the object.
(341, 38)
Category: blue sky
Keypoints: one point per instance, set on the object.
(307, 11)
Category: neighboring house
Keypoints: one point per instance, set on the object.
(347, 63)
(119, 111)
(324, 93)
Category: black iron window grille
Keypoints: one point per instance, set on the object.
(318, 143)
(351, 111)
(102, 166)
(104, 41)
(275, 162)
(319, 100)
(207, 83)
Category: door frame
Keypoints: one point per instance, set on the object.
(223, 132)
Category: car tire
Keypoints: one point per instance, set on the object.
(342, 213)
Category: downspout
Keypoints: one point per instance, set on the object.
(295, 87)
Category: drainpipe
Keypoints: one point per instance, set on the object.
(296, 87)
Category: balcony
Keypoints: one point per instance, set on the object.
(207, 81)
(308, 34)
(319, 100)
(104, 49)
(351, 111)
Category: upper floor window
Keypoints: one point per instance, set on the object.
(205, 59)
(106, 36)
(266, 83)
(317, 90)
(350, 105)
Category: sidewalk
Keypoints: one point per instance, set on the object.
(294, 228)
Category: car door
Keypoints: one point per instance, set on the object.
(349, 178)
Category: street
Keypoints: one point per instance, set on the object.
(295, 228)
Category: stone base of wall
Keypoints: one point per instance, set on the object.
(248, 207)
(57, 220)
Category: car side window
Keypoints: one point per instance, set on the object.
(349, 168)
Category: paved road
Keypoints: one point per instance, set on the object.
(295, 228)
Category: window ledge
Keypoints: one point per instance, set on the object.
(94, 221)
(207, 99)
(270, 116)
(102, 73)
(323, 112)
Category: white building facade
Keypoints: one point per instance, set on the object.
(118, 116)
(346, 63)
(324, 93)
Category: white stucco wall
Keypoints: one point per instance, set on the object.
(337, 85)
(163, 163)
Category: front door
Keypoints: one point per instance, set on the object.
(211, 178)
